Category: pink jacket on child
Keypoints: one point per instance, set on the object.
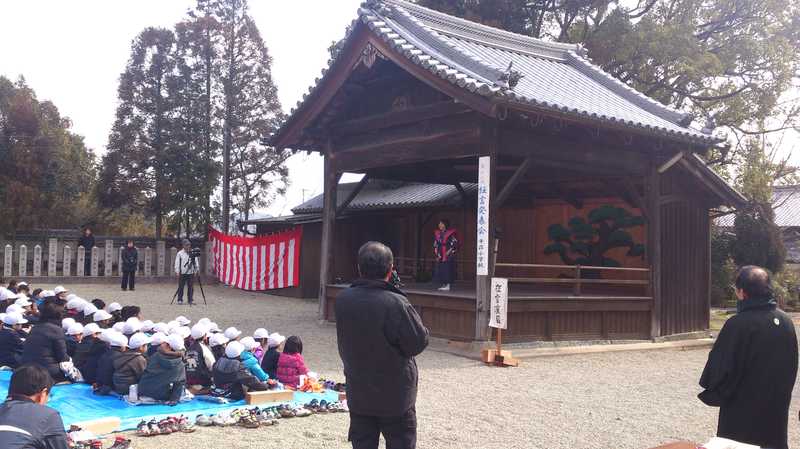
(290, 368)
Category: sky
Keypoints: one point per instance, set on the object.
(72, 53)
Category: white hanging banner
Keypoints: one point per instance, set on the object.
(482, 259)
(499, 305)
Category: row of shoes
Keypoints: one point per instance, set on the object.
(324, 406)
(119, 443)
(333, 385)
(166, 426)
(249, 418)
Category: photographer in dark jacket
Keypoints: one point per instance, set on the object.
(130, 263)
(87, 242)
(25, 419)
(47, 345)
(379, 333)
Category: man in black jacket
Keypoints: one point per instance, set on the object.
(87, 242)
(752, 367)
(25, 420)
(379, 333)
(130, 263)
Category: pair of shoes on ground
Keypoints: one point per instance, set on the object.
(166, 426)
(324, 406)
(119, 443)
(444, 288)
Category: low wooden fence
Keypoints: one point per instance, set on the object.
(578, 278)
(61, 259)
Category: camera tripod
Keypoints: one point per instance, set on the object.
(191, 263)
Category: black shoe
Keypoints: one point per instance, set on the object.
(133, 289)
(124, 289)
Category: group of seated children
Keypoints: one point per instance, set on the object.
(110, 347)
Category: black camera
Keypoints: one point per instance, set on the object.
(195, 253)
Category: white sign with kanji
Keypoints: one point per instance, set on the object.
(499, 306)
(482, 242)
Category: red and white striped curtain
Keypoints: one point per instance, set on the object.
(257, 263)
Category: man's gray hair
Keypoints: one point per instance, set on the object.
(375, 260)
(185, 242)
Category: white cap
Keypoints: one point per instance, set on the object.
(89, 309)
(232, 333)
(75, 303)
(205, 321)
(249, 343)
(13, 308)
(132, 326)
(138, 340)
(183, 321)
(119, 327)
(2, 315)
(8, 294)
(217, 340)
(199, 331)
(147, 326)
(91, 329)
(172, 325)
(275, 340)
(70, 297)
(161, 328)
(157, 338)
(60, 289)
(75, 329)
(101, 315)
(22, 284)
(118, 340)
(66, 323)
(234, 349)
(107, 334)
(22, 301)
(181, 331)
(47, 293)
(175, 342)
(213, 327)
(113, 307)
(14, 318)
(260, 333)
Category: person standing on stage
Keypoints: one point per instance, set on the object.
(87, 242)
(185, 269)
(130, 263)
(445, 245)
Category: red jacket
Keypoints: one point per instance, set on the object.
(290, 368)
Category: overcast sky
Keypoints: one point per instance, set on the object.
(72, 53)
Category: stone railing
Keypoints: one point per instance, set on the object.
(61, 259)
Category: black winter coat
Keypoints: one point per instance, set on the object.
(379, 333)
(128, 369)
(40, 427)
(230, 376)
(750, 374)
(270, 362)
(86, 242)
(11, 346)
(197, 373)
(46, 345)
(87, 354)
(105, 368)
(130, 259)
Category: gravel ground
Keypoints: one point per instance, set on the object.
(624, 400)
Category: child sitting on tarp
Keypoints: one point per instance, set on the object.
(155, 342)
(130, 365)
(231, 377)
(270, 361)
(261, 335)
(290, 363)
(249, 360)
(164, 378)
(104, 384)
(199, 360)
(12, 340)
(74, 336)
(217, 343)
(89, 351)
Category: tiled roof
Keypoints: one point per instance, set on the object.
(785, 203)
(379, 194)
(555, 77)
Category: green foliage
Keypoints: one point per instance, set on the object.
(723, 269)
(585, 242)
(758, 239)
(45, 169)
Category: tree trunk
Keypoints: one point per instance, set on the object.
(207, 124)
(226, 146)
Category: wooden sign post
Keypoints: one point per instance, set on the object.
(498, 319)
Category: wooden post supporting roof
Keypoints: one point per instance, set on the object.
(653, 200)
(488, 147)
(515, 178)
(331, 181)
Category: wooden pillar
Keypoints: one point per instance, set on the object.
(331, 181)
(488, 147)
(653, 192)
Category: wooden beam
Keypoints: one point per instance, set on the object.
(396, 118)
(672, 161)
(489, 146)
(410, 151)
(462, 192)
(653, 193)
(522, 170)
(353, 194)
(702, 178)
(330, 182)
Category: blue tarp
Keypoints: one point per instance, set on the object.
(77, 403)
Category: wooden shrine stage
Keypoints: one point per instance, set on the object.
(534, 312)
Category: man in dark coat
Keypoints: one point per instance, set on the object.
(25, 419)
(130, 263)
(87, 242)
(752, 367)
(379, 333)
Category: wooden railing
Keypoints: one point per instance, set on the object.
(577, 281)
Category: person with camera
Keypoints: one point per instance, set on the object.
(130, 263)
(185, 268)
